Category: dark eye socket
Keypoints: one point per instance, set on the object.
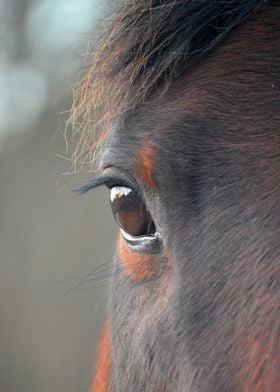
(130, 212)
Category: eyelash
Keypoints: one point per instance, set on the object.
(110, 180)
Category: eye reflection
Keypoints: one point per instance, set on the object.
(130, 212)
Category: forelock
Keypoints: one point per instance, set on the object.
(148, 45)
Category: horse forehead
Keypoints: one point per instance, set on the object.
(151, 127)
(223, 89)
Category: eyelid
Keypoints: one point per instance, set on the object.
(110, 177)
(151, 244)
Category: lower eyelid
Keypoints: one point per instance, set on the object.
(144, 244)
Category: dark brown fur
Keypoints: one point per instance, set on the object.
(208, 320)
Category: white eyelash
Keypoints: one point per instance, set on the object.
(119, 191)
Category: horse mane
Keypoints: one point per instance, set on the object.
(147, 45)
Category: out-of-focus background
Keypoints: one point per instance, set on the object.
(54, 246)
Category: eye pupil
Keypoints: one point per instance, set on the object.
(130, 212)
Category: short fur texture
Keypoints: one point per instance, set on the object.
(199, 83)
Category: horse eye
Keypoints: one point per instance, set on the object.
(130, 212)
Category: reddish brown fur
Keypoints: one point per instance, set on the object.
(262, 365)
(147, 157)
(256, 347)
(101, 380)
(138, 266)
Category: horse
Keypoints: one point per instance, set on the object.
(179, 112)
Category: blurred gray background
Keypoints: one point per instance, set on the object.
(54, 246)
